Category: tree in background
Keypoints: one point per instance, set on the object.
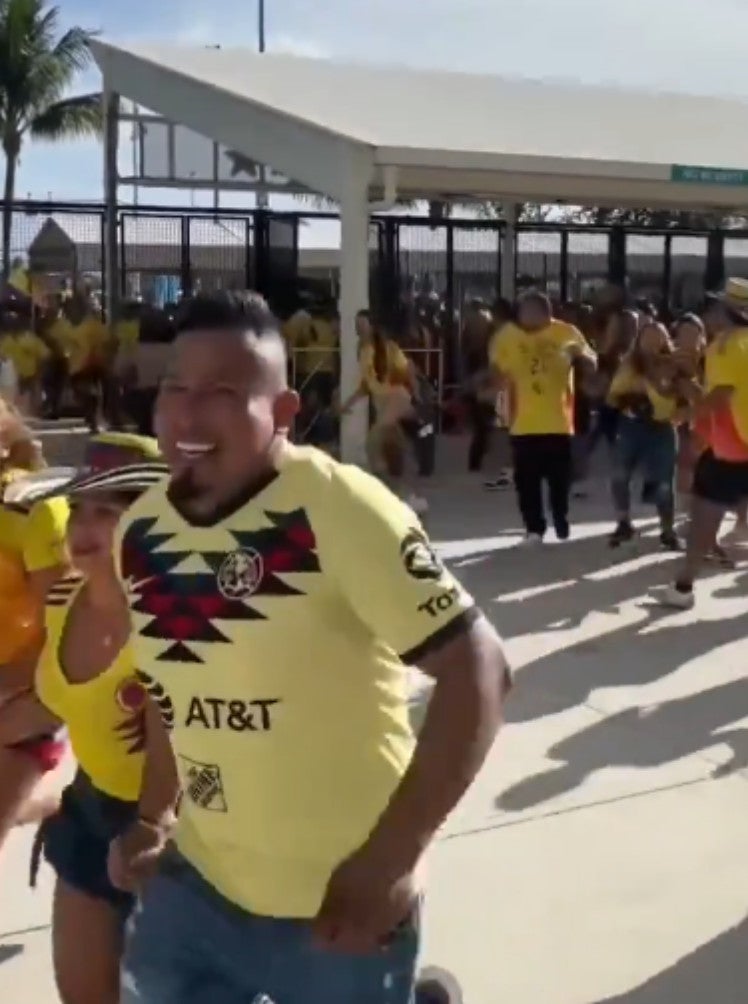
(38, 66)
(658, 219)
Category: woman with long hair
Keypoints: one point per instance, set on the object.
(689, 340)
(86, 681)
(388, 379)
(690, 337)
(652, 398)
(33, 557)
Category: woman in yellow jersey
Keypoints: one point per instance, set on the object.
(689, 339)
(86, 680)
(32, 558)
(652, 396)
(388, 380)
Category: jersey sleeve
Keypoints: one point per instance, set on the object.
(724, 367)
(387, 571)
(44, 536)
(569, 336)
(500, 349)
(399, 364)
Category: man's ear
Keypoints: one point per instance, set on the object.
(285, 410)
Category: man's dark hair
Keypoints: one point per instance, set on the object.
(538, 298)
(227, 311)
(503, 310)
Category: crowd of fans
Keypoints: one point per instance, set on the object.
(422, 368)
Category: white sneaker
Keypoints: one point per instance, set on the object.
(418, 504)
(737, 537)
(531, 540)
(678, 599)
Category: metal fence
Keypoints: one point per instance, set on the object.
(164, 253)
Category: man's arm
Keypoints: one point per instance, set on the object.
(134, 854)
(159, 792)
(464, 714)
(581, 353)
(410, 601)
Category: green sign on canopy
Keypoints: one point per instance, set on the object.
(687, 174)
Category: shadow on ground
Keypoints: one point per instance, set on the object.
(8, 952)
(715, 973)
(642, 738)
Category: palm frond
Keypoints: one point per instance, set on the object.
(68, 119)
(37, 65)
(72, 50)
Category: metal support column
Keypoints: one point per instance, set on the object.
(564, 267)
(354, 296)
(111, 182)
(667, 272)
(617, 272)
(714, 277)
(509, 252)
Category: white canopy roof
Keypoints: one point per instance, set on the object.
(446, 134)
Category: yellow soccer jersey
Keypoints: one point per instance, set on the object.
(275, 642)
(105, 716)
(29, 542)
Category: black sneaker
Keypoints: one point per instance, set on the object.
(670, 541)
(562, 530)
(437, 987)
(500, 484)
(719, 556)
(624, 533)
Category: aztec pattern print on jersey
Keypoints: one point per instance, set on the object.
(187, 607)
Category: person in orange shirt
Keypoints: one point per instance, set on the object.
(33, 557)
(720, 482)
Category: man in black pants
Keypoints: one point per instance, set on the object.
(538, 357)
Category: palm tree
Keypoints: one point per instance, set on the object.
(38, 65)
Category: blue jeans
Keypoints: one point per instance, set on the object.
(186, 944)
(651, 447)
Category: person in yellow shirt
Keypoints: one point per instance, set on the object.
(32, 558)
(86, 681)
(29, 354)
(720, 481)
(652, 398)
(536, 358)
(322, 356)
(388, 380)
(278, 598)
(85, 342)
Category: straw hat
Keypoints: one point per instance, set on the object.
(114, 462)
(735, 296)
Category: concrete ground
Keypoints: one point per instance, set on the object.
(600, 856)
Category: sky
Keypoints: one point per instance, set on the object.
(696, 46)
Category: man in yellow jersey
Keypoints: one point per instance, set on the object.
(720, 481)
(278, 598)
(536, 357)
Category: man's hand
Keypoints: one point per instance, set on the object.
(364, 903)
(134, 855)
